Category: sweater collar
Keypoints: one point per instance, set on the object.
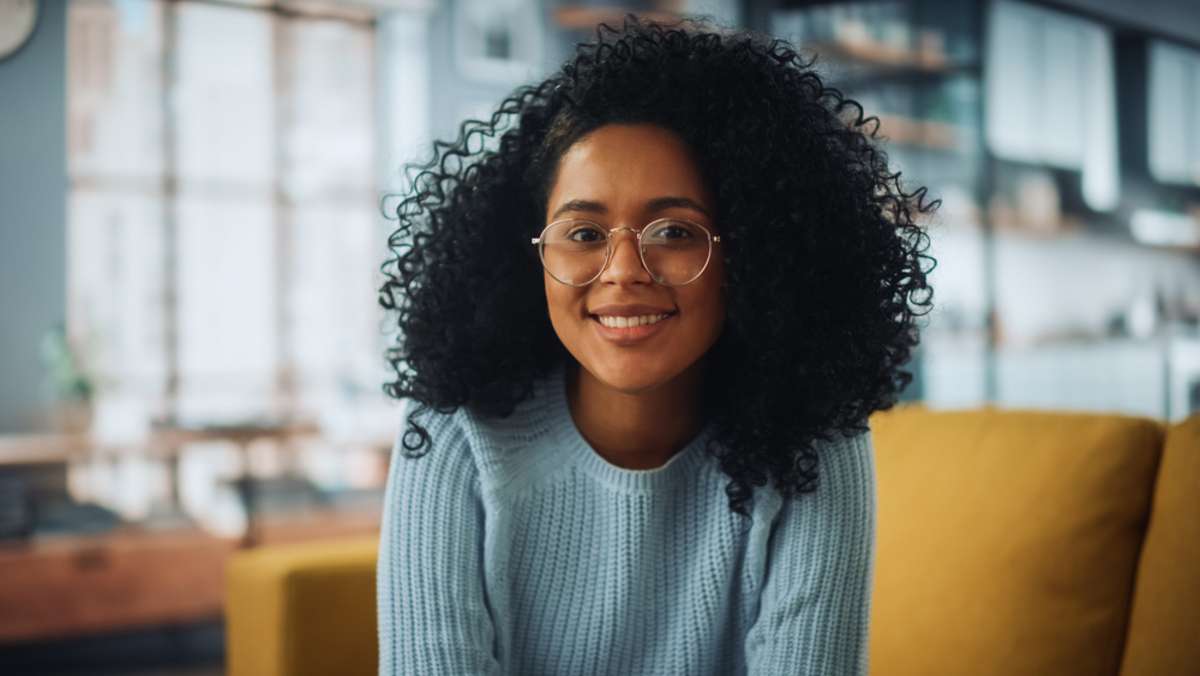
(556, 408)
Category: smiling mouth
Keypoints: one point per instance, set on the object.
(664, 315)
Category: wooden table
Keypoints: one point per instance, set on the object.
(60, 586)
(54, 586)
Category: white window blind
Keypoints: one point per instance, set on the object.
(1051, 94)
(1174, 92)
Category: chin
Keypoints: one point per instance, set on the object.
(632, 375)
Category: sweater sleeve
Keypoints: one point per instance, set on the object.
(814, 606)
(433, 616)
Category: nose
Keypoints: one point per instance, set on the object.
(625, 264)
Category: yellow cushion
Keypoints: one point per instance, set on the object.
(1007, 540)
(1164, 631)
(302, 609)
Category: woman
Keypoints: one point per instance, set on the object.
(643, 333)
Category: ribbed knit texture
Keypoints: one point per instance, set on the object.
(513, 548)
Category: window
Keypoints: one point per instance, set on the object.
(224, 232)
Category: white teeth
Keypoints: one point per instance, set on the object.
(626, 322)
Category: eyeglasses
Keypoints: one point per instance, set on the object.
(674, 251)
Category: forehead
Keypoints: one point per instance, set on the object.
(624, 165)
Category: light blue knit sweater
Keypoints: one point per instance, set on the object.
(513, 548)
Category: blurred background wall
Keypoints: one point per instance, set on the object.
(32, 259)
(193, 215)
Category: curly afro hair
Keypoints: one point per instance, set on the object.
(823, 261)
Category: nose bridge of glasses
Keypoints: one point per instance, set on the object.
(614, 240)
(614, 244)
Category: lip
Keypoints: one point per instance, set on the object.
(628, 310)
(630, 335)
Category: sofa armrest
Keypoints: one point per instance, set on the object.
(300, 609)
(1164, 624)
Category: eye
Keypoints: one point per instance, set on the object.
(585, 233)
(674, 231)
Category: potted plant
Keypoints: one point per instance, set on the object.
(71, 386)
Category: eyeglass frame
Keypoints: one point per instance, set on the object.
(610, 247)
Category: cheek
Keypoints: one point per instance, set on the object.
(562, 303)
(708, 306)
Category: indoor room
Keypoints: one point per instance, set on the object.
(245, 244)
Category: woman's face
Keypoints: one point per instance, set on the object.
(621, 175)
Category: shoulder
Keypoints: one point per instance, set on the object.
(832, 527)
(446, 453)
(498, 448)
(847, 462)
(845, 492)
(845, 486)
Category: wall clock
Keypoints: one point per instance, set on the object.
(17, 21)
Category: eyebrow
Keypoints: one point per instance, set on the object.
(656, 204)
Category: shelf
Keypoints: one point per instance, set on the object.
(53, 448)
(886, 59)
(588, 18)
(921, 133)
(35, 449)
(1073, 227)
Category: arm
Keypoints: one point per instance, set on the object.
(432, 612)
(816, 596)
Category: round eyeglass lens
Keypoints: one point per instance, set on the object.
(675, 251)
(574, 251)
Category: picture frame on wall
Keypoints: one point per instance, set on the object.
(498, 41)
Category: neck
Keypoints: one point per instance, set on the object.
(637, 431)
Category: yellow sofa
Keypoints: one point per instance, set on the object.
(1008, 542)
